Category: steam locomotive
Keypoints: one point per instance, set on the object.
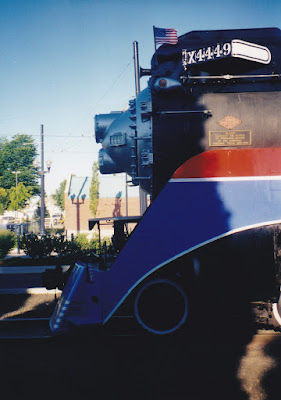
(203, 140)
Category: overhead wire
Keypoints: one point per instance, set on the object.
(113, 84)
(71, 145)
(63, 147)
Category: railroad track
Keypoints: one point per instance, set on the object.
(38, 328)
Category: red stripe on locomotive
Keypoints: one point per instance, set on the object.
(232, 163)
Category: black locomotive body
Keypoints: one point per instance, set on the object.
(203, 139)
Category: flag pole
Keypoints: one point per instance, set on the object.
(142, 193)
(154, 37)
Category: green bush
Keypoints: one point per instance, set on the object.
(36, 246)
(82, 241)
(94, 242)
(64, 247)
(54, 231)
(91, 244)
(7, 242)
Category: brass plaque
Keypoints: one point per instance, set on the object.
(229, 122)
(230, 138)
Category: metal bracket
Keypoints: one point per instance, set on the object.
(228, 76)
(146, 110)
(206, 113)
(142, 138)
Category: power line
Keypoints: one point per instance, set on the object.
(54, 136)
(70, 151)
(113, 84)
(69, 136)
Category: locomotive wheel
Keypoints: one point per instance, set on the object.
(161, 306)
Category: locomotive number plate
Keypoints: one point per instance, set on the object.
(118, 139)
(230, 138)
(235, 48)
(206, 54)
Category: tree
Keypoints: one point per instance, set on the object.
(19, 154)
(4, 199)
(18, 197)
(59, 195)
(94, 189)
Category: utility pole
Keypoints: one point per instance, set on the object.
(17, 222)
(42, 186)
(142, 193)
(42, 191)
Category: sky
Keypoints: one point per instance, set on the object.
(63, 61)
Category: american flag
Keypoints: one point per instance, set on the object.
(162, 36)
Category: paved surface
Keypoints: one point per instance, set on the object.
(23, 279)
(213, 363)
(131, 368)
(19, 314)
(20, 280)
(27, 305)
(88, 366)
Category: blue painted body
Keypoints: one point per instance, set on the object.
(197, 212)
(76, 305)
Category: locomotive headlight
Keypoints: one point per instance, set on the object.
(167, 84)
(162, 83)
(106, 164)
(102, 122)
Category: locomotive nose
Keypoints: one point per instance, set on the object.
(102, 122)
(106, 164)
(126, 140)
(114, 133)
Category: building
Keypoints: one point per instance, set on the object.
(113, 201)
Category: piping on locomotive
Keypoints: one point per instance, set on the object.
(204, 141)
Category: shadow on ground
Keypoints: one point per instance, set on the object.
(89, 366)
